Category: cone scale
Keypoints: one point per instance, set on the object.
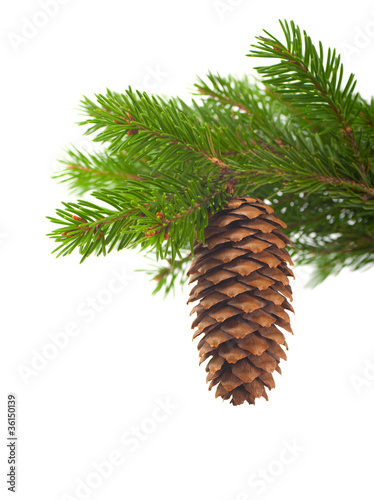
(240, 279)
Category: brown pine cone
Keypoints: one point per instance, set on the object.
(242, 285)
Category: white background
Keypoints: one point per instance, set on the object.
(81, 407)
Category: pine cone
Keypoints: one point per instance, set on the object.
(242, 285)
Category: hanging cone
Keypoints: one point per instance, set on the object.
(240, 277)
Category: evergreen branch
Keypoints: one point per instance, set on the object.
(166, 223)
(227, 91)
(91, 171)
(166, 275)
(296, 181)
(331, 255)
(301, 140)
(193, 144)
(303, 67)
(321, 81)
(295, 112)
(129, 118)
(83, 171)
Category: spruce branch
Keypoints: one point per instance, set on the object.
(227, 91)
(166, 275)
(322, 91)
(165, 216)
(301, 138)
(84, 172)
(303, 66)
